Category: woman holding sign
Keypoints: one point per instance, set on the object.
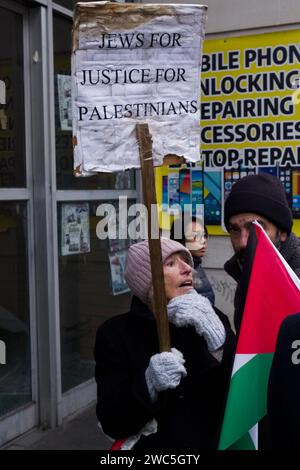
(170, 400)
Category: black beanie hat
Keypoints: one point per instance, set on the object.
(262, 194)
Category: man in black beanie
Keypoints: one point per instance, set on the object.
(259, 197)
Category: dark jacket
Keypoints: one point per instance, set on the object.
(201, 283)
(290, 250)
(188, 417)
(284, 388)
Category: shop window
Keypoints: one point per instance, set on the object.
(12, 115)
(70, 4)
(91, 284)
(15, 364)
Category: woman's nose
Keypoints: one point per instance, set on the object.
(185, 267)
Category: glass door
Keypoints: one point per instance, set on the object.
(17, 383)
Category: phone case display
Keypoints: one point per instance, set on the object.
(182, 190)
(212, 197)
(296, 193)
(173, 190)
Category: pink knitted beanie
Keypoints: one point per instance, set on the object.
(138, 267)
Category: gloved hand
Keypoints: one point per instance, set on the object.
(165, 371)
(196, 310)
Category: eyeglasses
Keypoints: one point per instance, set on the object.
(197, 237)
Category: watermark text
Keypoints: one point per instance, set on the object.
(2, 353)
(134, 222)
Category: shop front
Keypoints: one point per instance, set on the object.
(58, 280)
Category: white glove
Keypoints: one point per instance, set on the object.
(196, 310)
(165, 371)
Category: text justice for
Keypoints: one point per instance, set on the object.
(110, 76)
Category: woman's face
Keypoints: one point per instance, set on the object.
(177, 275)
(195, 239)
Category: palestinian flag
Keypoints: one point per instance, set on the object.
(271, 291)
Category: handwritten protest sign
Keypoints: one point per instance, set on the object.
(135, 63)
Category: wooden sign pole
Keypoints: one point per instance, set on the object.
(159, 295)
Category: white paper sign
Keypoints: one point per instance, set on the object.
(117, 267)
(64, 87)
(2, 92)
(75, 229)
(135, 63)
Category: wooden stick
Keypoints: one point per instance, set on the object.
(159, 294)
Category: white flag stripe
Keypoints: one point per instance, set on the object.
(240, 360)
(254, 435)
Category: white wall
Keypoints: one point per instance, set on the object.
(218, 252)
(237, 15)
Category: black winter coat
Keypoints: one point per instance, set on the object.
(188, 417)
(203, 286)
(284, 388)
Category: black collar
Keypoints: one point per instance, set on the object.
(140, 309)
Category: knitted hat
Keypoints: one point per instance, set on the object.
(262, 194)
(138, 268)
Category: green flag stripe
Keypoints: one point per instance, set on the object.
(244, 443)
(247, 397)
